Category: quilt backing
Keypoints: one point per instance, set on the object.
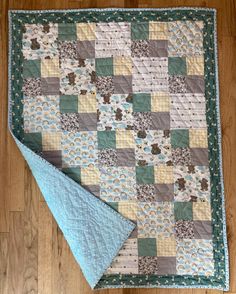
(122, 106)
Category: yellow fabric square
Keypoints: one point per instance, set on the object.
(51, 141)
(89, 175)
(198, 138)
(85, 31)
(122, 65)
(125, 139)
(160, 102)
(50, 67)
(166, 247)
(158, 30)
(201, 211)
(163, 174)
(195, 65)
(87, 103)
(128, 209)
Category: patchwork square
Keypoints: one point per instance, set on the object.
(141, 102)
(195, 65)
(147, 247)
(150, 74)
(85, 31)
(117, 184)
(183, 211)
(148, 265)
(192, 183)
(41, 113)
(70, 122)
(152, 147)
(53, 156)
(115, 112)
(127, 260)
(50, 67)
(50, 86)
(198, 138)
(108, 157)
(33, 141)
(158, 30)
(183, 33)
(77, 77)
(122, 66)
(80, 149)
(67, 31)
(73, 172)
(177, 66)
(122, 84)
(155, 220)
(158, 48)
(179, 138)
(139, 31)
(106, 139)
(125, 157)
(128, 209)
(87, 121)
(51, 141)
(39, 41)
(202, 230)
(160, 102)
(113, 39)
(32, 68)
(202, 211)
(199, 156)
(166, 247)
(89, 175)
(184, 229)
(87, 103)
(86, 49)
(188, 111)
(67, 50)
(145, 174)
(32, 87)
(68, 103)
(104, 66)
(191, 260)
(163, 174)
(125, 139)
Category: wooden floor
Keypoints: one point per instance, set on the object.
(34, 257)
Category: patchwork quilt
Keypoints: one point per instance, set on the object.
(117, 113)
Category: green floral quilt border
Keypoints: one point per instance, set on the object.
(19, 18)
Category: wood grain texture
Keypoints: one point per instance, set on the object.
(34, 257)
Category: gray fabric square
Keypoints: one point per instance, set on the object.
(54, 157)
(88, 121)
(164, 192)
(195, 84)
(50, 86)
(202, 229)
(160, 121)
(86, 49)
(122, 84)
(158, 48)
(125, 157)
(166, 265)
(199, 156)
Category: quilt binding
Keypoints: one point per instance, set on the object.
(226, 255)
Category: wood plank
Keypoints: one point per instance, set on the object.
(16, 253)
(4, 251)
(4, 193)
(30, 235)
(44, 250)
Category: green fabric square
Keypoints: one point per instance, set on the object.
(179, 138)
(183, 211)
(147, 247)
(139, 31)
(33, 141)
(145, 174)
(74, 173)
(68, 103)
(141, 102)
(106, 139)
(177, 66)
(67, 31)
(104, 66)
(32, 68)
